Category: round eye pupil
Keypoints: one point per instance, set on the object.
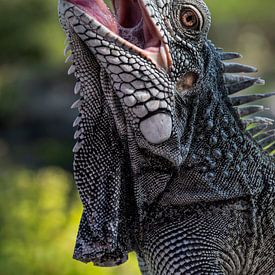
(189, 19)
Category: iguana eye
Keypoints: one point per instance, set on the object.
(191, 19)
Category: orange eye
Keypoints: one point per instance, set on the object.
(189, 19)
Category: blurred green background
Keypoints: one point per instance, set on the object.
(39, 205)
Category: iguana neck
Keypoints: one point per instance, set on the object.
(223, 161)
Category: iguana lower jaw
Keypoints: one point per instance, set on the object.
(130, 26)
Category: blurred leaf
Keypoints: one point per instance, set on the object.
(39, 220)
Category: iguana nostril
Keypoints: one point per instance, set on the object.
(186, 82)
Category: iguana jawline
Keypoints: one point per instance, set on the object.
(150, 46)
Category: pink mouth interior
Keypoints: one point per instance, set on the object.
(129, 21)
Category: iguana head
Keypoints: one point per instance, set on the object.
(157, 59)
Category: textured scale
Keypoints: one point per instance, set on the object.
(169, 161)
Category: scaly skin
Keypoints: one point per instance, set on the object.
(163, 163)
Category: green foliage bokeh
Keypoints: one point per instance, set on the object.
(39, 206)
(39, 216)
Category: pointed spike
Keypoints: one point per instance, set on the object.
(70, 58)
(67, 40)
(233, 79)
(257, 129)
(219, 49)
(271, 149)
(249, 110)
(268, 141)
(77, 147)
(230, 55)
(77, 134)
(265, 134)
(77, 87)
(246, 124)
(77, 121)
(238, 68)
(76, 104)
(67, 49)
(71, 70)
(240, 100)
(260, 81)
(252, 122)
(256, 125)
(267, 120)
(260, 120)
(239, 86)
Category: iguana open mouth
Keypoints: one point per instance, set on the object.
(131, 23)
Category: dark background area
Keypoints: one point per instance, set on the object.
(39, 206)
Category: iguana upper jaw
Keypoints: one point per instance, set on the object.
(131, 26)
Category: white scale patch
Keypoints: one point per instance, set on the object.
(157, 128)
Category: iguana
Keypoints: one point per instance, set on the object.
(169, 162)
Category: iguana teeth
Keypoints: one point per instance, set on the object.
(71, 70)
(238, 68)
(230, 55)
(77, 87)
(77, 121)
(249, 110)
(67, 49)
(240, 100)
(70, 58)
(233, 79)
(77, 147)
(239, 86)
(76, 104)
